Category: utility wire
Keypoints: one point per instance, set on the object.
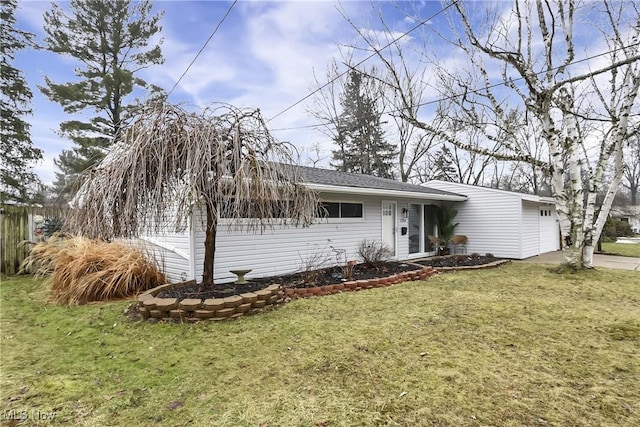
(204, 46)
(420, 24)
(450, 97)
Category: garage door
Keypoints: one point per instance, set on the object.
(549, 240)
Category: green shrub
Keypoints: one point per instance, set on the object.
(614, 228)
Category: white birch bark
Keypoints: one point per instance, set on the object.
(535, 48)
(618, 135)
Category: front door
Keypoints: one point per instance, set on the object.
(389, 225)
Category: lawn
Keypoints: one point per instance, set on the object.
(624, 249)
(513, 346)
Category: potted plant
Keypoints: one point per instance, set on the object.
(446, 227)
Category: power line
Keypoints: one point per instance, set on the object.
(450, 97)
(204, 46)
(420, 24)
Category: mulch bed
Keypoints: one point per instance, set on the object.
(458, 260)
(325, 276)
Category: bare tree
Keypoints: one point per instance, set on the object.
(313, 155)
(531, 49)
(631, 173)
(350, 107)
(525, 177)
(326, 102)
(413, 145)
(171, 162)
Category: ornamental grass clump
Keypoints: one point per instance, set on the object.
(84, 270)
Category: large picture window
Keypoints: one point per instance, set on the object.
(340, 210)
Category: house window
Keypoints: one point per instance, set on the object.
(351, 210)
(340, 210)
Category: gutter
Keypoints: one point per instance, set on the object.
(387, 193)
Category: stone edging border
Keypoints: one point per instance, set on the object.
(356, 285)
(474, 267)
(193, 310)
(216, 309)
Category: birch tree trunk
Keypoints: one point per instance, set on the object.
(534, 47)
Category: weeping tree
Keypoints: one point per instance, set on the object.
(171, 165)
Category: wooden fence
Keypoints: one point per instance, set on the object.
(19, 225)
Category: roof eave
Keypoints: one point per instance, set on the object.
(387, 193)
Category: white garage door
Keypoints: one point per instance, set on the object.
(549, 240)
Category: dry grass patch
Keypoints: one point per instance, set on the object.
(83, 270)
(513, 346)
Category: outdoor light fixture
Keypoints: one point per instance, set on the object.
(405, 212)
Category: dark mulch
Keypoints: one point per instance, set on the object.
(458, 260)
(326, 276)
(219, 290)
(332, 275)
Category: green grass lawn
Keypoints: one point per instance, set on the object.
(624, 249)
(512, 346)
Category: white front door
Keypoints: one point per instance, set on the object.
(389, 225)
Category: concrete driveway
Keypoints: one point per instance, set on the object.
(606, 261)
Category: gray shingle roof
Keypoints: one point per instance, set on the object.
(356, 180)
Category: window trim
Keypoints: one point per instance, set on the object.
(341, 219)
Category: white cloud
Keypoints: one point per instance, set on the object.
(381, 38)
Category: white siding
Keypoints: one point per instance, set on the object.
(530, 229)
(171, 252)
(279, 250)
(490, 219)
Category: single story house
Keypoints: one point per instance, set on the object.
(360, 207)
(504, 223)
(630, 214)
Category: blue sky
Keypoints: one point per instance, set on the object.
(263, 56)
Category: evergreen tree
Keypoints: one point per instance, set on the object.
(441, 165)
(111, 39)
(360, 138)
(18, 152)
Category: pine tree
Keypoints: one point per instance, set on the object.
(18, 152)
(111, 41)
(441, 165)
(360, 138)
